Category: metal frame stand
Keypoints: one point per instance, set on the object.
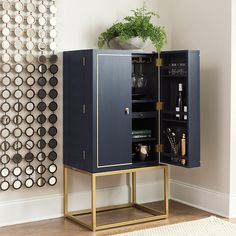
(155, 215)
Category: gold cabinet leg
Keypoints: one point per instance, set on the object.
(93, 201)
(65, 181)
(166, 190)
(134, 190)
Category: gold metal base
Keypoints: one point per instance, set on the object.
(155, 215)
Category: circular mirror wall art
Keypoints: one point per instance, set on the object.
(6, 5)
(17, 145)
(29, 132)
(18, 81)
(52, 156)
(52, 119)
(5, 120)
(4, 159)
(42, 94)
(52, 168)
(5, 185)
(41, 182)
(53, 58)
(6, 68)
(30, 93)
(6, 81)
(17, 120)
(42, 106)
(29, 157)
(17, 158)
(41, 144)
(29, 58)
(18, 32)
(17, 184)
(29, 96)
(6, 57)
(42, 59)
(29, 183)
(41, 131)
(42, 81)
(4, 172)
(30, 68)
(6, 93)
(52, 131)
(29, 119)
(17, 171)
(29, 170)
(52, 180)
(5, 133)
(30, 81)
(41, 156)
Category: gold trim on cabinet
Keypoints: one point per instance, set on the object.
(113, 165)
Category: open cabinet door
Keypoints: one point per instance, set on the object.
(180, 118)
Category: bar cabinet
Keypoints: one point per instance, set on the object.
(126, 111)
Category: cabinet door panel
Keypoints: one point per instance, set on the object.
(113, 97)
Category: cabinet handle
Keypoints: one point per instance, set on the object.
(127, 111)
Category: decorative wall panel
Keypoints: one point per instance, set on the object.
(28, 103)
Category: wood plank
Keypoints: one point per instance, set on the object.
(61, 227)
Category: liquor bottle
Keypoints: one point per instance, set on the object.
(180, 103)
(183, 149)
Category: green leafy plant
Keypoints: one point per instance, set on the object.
(137, 25)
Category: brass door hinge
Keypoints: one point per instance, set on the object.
(159, 62)
(159, 148)
(159, 106)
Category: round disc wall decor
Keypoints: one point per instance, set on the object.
(28, 105)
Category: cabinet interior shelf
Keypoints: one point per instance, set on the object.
(175, 121)
(174, 112)
(174, 76)
(144, 101)
(172, 155)
(165, 154)
(173, 67)
(138, 140)
(141, 115)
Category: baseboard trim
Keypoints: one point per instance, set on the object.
(201, 198)
(232, 206)
(30, 209)
(51, 206)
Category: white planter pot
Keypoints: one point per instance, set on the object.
(131, 44)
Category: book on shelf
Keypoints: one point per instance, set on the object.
(141, 136)
(142, 132)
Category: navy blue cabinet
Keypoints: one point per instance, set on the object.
(117, 105)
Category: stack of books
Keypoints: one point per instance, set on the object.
(141, 133)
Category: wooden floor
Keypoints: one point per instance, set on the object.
(64, 227)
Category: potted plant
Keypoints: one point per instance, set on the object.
(134, 31)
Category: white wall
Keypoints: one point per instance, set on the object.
(79, 24)
(206, 25)
(233, 114)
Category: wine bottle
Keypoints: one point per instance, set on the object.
(180, 103)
